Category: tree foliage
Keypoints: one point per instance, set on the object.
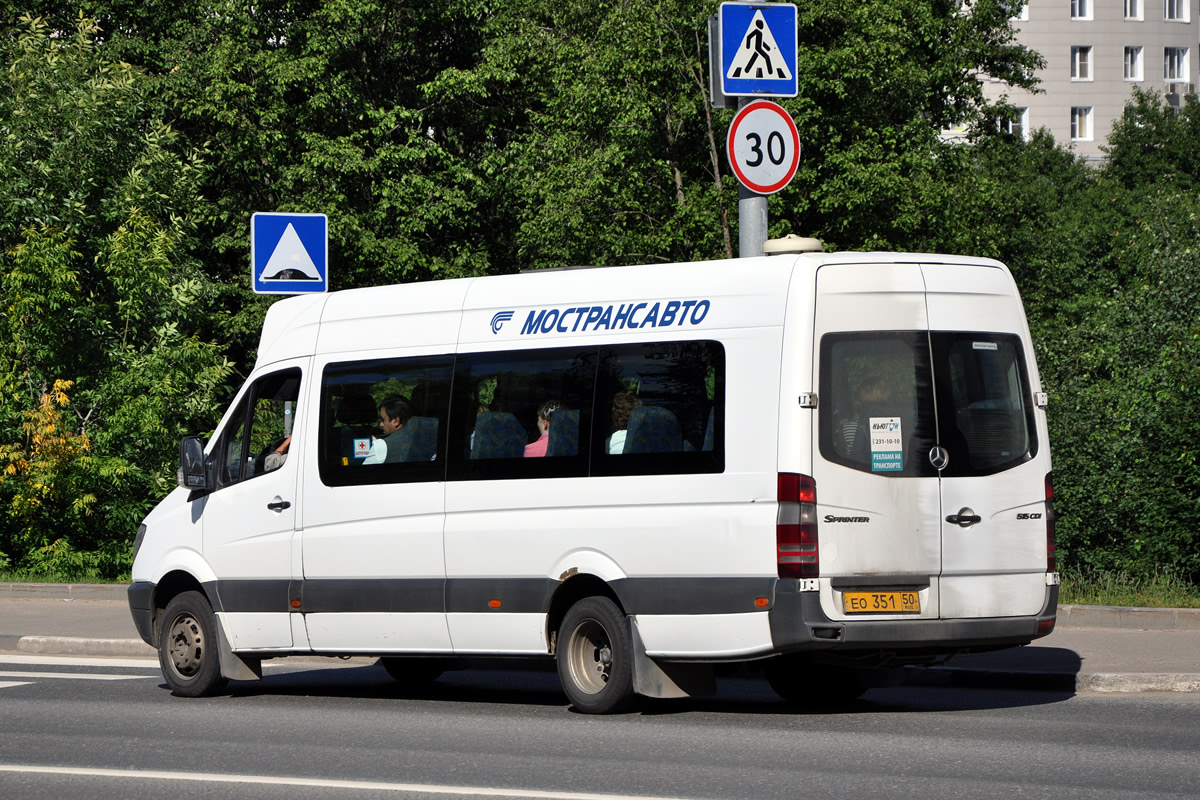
(102, 367)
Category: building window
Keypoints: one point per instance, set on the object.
(1018, 126)
(1175, 64)
(1081, 124)
(1081, 66)
(1133, 63)
(1176, 10)
(1082, 9)
(1133, 9)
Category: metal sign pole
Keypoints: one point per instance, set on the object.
(752, 213)
(753, 55)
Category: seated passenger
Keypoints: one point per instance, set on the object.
(394, 412)
(537, 449)
(623, 405)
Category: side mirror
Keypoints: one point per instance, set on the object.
(192, 472)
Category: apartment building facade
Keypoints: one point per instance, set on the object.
(1096, 51)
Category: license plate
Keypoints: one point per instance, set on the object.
(881, 603)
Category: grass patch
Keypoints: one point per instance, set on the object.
(16, 576)
(1120, 589)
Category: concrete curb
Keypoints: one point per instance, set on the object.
(1127, 618)
(70, 646)
(1100, 682)
(64, 591)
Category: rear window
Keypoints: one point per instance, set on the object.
(889, 397)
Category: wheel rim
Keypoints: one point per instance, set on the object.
(186, 646)
(589, 656)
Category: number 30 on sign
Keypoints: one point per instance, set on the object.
(763, 147)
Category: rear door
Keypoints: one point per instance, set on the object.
(879, 508)
(928, 478)
(997, 459)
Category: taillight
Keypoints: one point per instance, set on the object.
(1051, 542)
(796, 527)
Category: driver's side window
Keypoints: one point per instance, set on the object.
(258, 437)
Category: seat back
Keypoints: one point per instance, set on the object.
(564, 433)
(356, 418)
(498, 434)
(416, 441)
(653, 430)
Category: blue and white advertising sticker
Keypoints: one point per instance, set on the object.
(887, 445)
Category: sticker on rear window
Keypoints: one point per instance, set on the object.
(887, 445)
(985, 346)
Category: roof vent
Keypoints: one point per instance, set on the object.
(791, 244)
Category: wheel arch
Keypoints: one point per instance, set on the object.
(570, 592)
(171, 585)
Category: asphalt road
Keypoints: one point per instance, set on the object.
(109, 728)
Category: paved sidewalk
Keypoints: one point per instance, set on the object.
(1093, 648)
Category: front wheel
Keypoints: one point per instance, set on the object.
(187, 647)
(595, 657)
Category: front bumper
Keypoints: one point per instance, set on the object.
(141, 607)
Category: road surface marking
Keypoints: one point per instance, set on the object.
(74, 676)
(320, 783)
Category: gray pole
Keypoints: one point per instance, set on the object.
(752, 213)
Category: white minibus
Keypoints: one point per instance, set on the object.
(826, 466)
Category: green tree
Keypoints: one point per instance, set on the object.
(100, 302)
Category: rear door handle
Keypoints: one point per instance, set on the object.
(965, 518)
(278, 504)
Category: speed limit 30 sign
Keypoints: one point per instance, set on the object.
(763, 147)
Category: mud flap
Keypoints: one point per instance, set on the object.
(668, 679)
(233, 666)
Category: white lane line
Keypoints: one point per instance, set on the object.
(321, 783)
(78, 661)
(10, 684)
(74, 676)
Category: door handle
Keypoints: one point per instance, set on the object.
(965, 518)
(278, 504)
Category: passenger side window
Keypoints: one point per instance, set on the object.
(258, 437)
(384, 421)
(525, 414)
(660, 409)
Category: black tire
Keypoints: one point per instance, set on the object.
(187, 647)
(413, 672)
(811, 686)
(595, 657)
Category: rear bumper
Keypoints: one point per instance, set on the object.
(798, 623)
(141, 607)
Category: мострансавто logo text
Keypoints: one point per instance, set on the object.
(584, 319)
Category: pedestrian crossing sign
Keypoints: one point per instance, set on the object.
(758, 49)
(289, 253)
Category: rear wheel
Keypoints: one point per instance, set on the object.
(805, 684)
(187, 646)
(595, 657)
